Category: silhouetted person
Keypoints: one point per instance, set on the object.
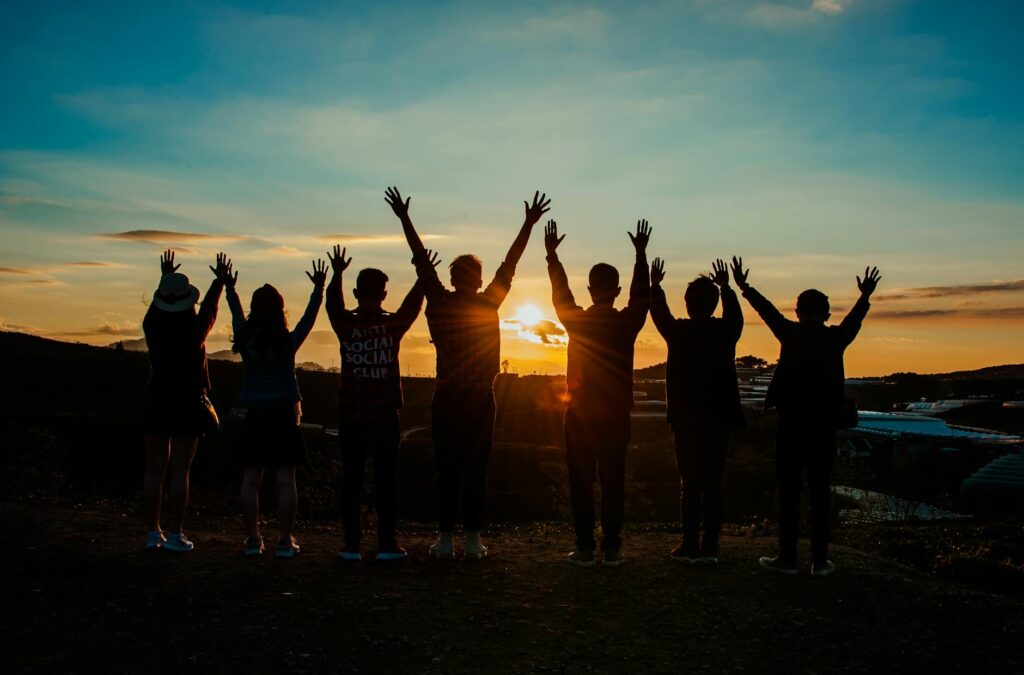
(177, 410)
(807, 390)
(464, 327)
(369, 399)
(599, 381)
(703, 399)
(270, 437)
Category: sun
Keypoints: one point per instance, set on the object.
(529, 315)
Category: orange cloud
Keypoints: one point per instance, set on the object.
(169, 237)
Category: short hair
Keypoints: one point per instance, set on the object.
(372, 280)
(701, 296)
(603, 277)
(812, 301)
(466, 267)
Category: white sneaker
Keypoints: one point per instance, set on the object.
(443, 548)
(581, 558)
(178, 542)
(475, 549)
(155, 540)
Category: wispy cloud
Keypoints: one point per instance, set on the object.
(93, 264)
(119, 329)
(169, 237)
(16, 270)
(949, 291)
(1011, 313)
(374, 239)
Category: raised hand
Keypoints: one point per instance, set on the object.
(657, 271)
(337, 258)
(868, 285)
(167, 262)
(223, 270)
(738, 274)
(642, 236)
(551, 238)
(394, 199)
(541, 205)
(720, 273)
(319, 275)
(432, 257)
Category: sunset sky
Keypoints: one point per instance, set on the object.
(811, 137)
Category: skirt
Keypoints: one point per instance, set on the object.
(270, 439)
(177, 415)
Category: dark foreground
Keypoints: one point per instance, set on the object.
(80, 596)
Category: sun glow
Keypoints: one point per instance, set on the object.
(528, 315)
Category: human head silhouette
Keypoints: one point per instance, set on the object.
(266, 302)
(812, 308)
(701, 298)
(604, 284)
(371, 288)
(467, 273)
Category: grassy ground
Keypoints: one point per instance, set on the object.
(81, 596)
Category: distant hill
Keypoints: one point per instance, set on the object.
(1013, 371)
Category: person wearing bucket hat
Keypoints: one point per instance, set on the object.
(176, 407)
(270, 437)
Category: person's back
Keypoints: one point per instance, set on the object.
(599, 383)
(807, 390)
(465, 328)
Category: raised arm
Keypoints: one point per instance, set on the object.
(640, 287)
(335, 306)
(502, 282)
(765, 309)
(660, 312)
(561, 296)
(851, 323)
(207, 314)
(410, 308)
(401, 208)
(732, 315)
(316, 298)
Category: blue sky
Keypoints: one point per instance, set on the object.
(812, 137)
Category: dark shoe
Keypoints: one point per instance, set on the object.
(350, 554)
(778, 566)
(685, 555)
(253, 547)
(823, 570)
(582, 558)
(709, 560)
(287, 548)
(613, 558)
(391, 551)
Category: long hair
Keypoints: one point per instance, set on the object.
(266, 329)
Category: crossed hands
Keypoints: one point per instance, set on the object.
(642, 236)
(223, 270)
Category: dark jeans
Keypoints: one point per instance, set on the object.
(804, 443)
(378, 438)
(700, 445)
(597, 445)
(463, 429)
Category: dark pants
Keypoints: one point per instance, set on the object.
(379, 439)
(463, 430)
(700, 445)
(804, 443)
(596, 444)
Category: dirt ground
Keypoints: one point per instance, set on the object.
(82, 596)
